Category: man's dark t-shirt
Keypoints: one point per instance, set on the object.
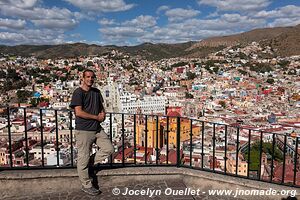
(92, 103)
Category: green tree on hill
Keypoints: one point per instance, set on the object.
(261, 67)
(255, 154)
(180, 64)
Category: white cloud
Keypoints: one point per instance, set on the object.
(36, 13)
(122, 31)
(58, 18)
(213, 14)
(106, 22)
(30, 36)
(118, 33)
(101, 5)
(236, 5)
(181, 14)
(285, 16)
(142, 21)
(177, 31)
(12, 24)
(56, 23)
(234, 22)
(49, 24)
(81, 16)
(284, 22)
(19, 3)
(76, 35)
(289, 11)
(162, 8)
(11, 38)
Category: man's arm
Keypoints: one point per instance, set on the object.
(80, 113)
(103, 114)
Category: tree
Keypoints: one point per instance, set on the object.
(261, 68)
(180, 64)
(2, 74)
(78, 67)
(12, 74)
(284, 63)
(188, 95)
(243, 72)
(292, 72)
(90, 63)
(34, 102)
(255, 154)
(222, 103)
(270, 81)
(242, 55)
(210, 63)
(23, 95)
(190, 75)
(216, 69)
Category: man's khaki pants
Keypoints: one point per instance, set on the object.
(84, 142)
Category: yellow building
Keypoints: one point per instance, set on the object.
(184, 130)
(3, 160)
(242, 165)
(151, 134)
(162, 132)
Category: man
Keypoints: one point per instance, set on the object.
(87, 102)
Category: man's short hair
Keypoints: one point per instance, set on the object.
(88, 70)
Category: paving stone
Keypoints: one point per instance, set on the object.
(136, 185)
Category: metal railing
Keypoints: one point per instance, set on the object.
(150, 140)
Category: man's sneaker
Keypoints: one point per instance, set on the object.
(91, 191)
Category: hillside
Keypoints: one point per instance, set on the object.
(285, 39)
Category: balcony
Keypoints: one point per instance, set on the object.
(38, 156)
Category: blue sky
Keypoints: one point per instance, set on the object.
(132, 22)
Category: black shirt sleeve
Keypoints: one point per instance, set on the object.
(101, 98)
(76, 99)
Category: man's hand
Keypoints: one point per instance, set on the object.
(101, 116)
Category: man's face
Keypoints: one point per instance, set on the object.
(88, 78)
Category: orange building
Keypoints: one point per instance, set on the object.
(163, 132)
(151, 134)
(242, 165)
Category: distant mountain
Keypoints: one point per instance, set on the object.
(158, 51)
(55, 51)
(285, 39)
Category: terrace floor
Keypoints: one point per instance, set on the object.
(64, 184)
